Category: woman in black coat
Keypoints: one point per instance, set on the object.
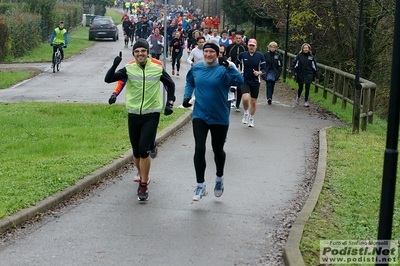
(273, 63)
(176, 47)
(304, 69)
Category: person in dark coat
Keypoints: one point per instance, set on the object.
(304, 70)
(273, 64)
(175, 51)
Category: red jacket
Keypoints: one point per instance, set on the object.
(216, 23)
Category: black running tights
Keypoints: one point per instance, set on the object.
(176, 59)
(307, 85)
(218, 136)
(142, 133)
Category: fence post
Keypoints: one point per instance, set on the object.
(365, 106)
(335, 87)
(356, 111)
(372, 105)
(346, 84)
(326, 83)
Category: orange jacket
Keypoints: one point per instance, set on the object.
(209, 22)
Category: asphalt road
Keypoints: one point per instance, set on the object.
(264, 169)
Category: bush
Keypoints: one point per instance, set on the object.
(3, 39)
(23, 33)
(71, 14)
(23, 26)
(5, 7)
(45, 8)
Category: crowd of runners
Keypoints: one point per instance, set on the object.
(230, 63)
(188, 28)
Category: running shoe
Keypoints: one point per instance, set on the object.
(245, 118)
(297, 100)
(177, 73)
(143, 192)
(173, 72)
(251, 122)
(219, 188)
(199, 193)
(237, 110)
(269, 101)
(306, 104)
(154, 150)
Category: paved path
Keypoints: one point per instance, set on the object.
(265, 167)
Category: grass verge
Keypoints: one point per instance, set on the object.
(348, 206)
(11, 77)
(47, 147)
(115, 15)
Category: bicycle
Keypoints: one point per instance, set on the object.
(57, 57)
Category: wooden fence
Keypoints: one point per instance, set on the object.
(342, 85)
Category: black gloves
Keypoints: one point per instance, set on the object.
(51, 44)
(223, 62)
(168, 108)
(117, 60)
(233, 89)
(186, 102)
(112, 99)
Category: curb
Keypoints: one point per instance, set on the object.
(24, 215)
(291, 253)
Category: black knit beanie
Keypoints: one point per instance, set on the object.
(141, 43)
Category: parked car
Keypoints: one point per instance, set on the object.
(103, 28)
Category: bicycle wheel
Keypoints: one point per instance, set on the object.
(54, 63)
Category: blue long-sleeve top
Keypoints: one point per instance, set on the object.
(211, 83)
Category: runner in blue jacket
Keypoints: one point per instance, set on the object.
(212, 79)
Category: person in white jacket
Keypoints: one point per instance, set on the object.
(156, 43)
(196, 55)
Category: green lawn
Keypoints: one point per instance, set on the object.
(348, 206)
(11, 77)
(46, 147)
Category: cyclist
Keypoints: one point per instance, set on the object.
(59, 36)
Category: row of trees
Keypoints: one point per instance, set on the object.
(331, 27)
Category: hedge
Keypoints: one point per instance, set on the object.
(22, 31)
(21, 35)
(71, 14)
(3, 39)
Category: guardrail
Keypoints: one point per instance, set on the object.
(342, 85)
